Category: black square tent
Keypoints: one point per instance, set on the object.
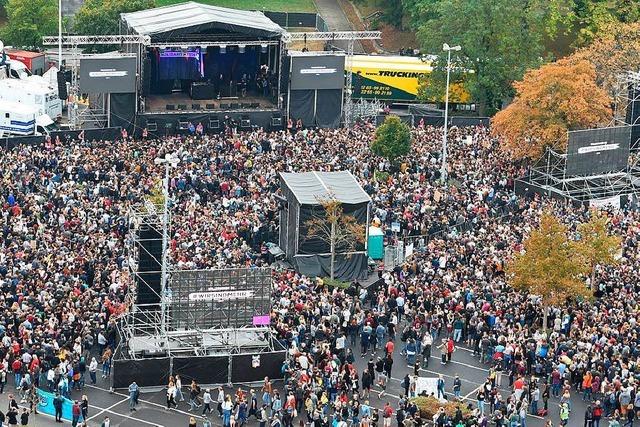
(303, 193)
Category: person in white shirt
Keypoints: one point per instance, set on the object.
(220, 400)
(179, 395)
(206, 400)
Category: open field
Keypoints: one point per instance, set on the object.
(270, 5)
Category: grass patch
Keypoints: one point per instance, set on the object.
(266, 5)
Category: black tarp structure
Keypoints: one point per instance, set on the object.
(316, 107)
(304, 193)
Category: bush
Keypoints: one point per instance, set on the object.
(429, 405)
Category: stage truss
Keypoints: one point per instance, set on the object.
(548, 173)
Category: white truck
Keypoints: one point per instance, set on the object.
(21, 119)
(43, 97)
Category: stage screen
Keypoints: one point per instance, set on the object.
(317, 72)
(597, 151)
(231, 298)
(114, 74)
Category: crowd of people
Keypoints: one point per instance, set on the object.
(64, 272)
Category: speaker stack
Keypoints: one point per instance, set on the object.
(149, 277)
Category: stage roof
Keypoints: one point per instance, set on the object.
(192, 17)
(309, 188)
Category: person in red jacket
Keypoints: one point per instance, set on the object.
(75, 413)
(16, 366)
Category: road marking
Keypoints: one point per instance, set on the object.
(103, 410)
(191, 414)
(463, 364)
(129, 417)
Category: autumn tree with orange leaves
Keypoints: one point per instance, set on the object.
(614, 51)
(550, 101)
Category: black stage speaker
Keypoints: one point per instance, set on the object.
(148, 279)
(62, 85)
(171, 107)
(152, 125)
(224, 106)
(214, 123)
(195, 106)
(210, 106)
(182, 107)
(245, 123)
(234, 105)
(183, 125)
(276, 121)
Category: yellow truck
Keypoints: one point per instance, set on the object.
(395, 78)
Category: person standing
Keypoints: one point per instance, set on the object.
(24, 417)
(171, 396)
(427, 341)
(194, 392)
(93, 368)
(57, 405)
(457, 387)
(179, 395)
(206, 400)
(440, 387)
(75, 413)
(84, 408)
(133, 395)
(12, 417)
(564, 414)
(192, 422)
(106, 422)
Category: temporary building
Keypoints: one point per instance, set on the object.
(303, 195)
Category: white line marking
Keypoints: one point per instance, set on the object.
(103, 410)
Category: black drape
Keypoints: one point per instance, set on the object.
(328, 108)
(122, 110)
(301, 106)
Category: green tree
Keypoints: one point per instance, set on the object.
(596, 245)
(332, 226)
(500, 40)
(103, 16)
(392, 140)
(28, 21)
(550, 266)
(594, 17)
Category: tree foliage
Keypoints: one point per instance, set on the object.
(550, 266)
(103, 16)
(500, 40)
(595, 18)
(335, 228)
(550, 101)
(29, 21)
(392, 140)
(596, 245)
(613, 52)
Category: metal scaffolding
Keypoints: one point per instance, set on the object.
(74, 41)
(350, 37)
(549, 174)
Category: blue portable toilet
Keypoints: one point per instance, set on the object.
(375, 246)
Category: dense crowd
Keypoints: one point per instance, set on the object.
(64, 272)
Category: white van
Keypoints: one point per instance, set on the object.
(20, 119)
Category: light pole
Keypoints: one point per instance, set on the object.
(168, 161)
(443, 171)
(59, 35)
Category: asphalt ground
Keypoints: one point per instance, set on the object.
(151, 410)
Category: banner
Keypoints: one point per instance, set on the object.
(45, 405)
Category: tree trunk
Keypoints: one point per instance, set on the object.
(333, 248)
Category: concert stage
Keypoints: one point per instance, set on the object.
(183, 102)
(203, 64)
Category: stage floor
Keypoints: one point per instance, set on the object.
(159, 103)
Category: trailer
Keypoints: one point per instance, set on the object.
(34, 94)
(23, 120)
(34, 61)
